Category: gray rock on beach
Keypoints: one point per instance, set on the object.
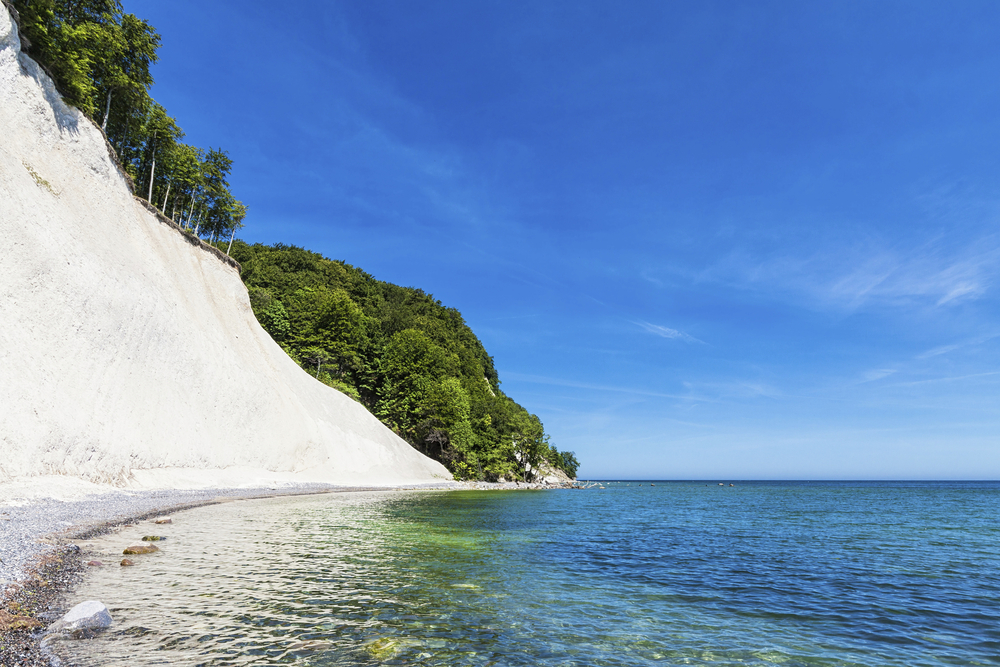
(84, 619)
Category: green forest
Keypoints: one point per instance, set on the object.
(410, 360)
(413, 362)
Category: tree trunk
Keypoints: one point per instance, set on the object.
(151, 147)
(107, 110)
(152, 172)
(198, 224)
(163, 209)
(231, 237)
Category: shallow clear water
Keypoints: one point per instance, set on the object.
(681, 573)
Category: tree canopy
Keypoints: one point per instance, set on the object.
(99, 58)
(408, 358)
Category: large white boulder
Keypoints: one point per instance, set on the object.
(82, 620)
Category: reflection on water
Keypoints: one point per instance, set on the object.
(679, 573)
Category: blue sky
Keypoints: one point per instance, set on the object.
(702, 240)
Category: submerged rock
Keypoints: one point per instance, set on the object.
(153, 538)
(83, 620)
(126, 562)
(94, 563)
(383, 648)
(163, 520)
(140, 549)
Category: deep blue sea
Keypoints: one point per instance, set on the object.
(680, 573)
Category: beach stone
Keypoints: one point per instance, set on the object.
(126, 562)
(140, 549)
(83, 620)
(162, 521)
(153, 538)
(94, 563)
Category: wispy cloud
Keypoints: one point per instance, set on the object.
(938, 351)
(650, 278)
(737, 389)
(667, 332)
(947, 379)
(958, 291)
(920, 275)
(936, 273)
(559, 382)
(945, 349)
(877, 374)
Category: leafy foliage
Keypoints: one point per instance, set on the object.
(409, 359)
(100, 59)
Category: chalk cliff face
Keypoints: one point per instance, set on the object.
(129, 355)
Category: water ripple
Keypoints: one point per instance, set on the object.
(678, 574)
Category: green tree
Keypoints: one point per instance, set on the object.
(91, 48)
(340, 329)
(121, 70)
(412, 361)
(411, 367)
(270, 313)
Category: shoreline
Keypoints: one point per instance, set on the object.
(40, 564)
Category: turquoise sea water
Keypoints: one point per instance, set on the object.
(680, 573)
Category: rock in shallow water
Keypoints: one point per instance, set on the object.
(83, 620)
(94, 563)
(153, 538)
(382, 649)
(140, 549)
(126, 562)
(163, 520)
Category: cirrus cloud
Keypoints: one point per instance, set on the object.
(667, 332)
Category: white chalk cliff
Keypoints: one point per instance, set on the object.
(129, 355)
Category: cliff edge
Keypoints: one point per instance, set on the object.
(130, 356)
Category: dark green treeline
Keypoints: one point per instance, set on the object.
(409, 359)
(100, 58)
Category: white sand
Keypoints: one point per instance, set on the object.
(129, 356)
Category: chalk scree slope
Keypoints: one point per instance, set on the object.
(130, 356)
